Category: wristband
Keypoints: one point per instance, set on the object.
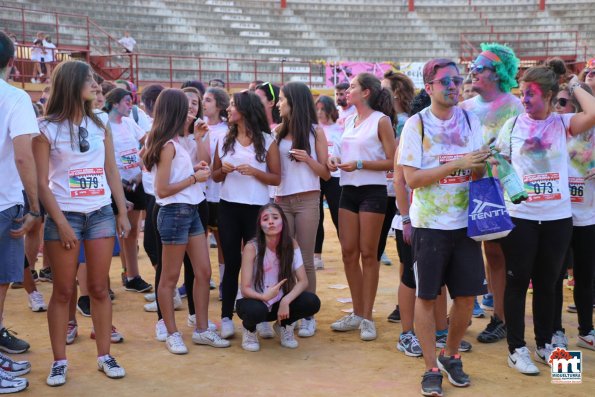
(573, 87)
(194, 177)
(406, 219)
(34, 214)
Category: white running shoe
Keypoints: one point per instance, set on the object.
(318, 264)
(150, 297)
(307, 328)
(57, 376)
(521, 361)
(587, 341)
(367, 330)
(264, 330)
(175, 344)
(177, 300)
(160, 331)
(250, 341)
(151, 307)
(560, 340)
(36, 302)
(349, 322)
(209, 338)
(227, 328)
(542, 354)
(191, 322)
(11, 384)
(111, 368)
(71, 332)
(286, 335)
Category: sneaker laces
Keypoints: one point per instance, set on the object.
(5, 375)
(58, 370)
(37, 298)
(558, 340)
(524, 356)
(176, 340)
(494, 323)
(251, 337)
(286, 332)
(111, 363)
(367, 326)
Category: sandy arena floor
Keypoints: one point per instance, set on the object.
(326, 364)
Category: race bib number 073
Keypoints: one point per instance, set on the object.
(84, 182)
(543, 187)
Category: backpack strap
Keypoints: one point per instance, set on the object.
(135, 113)
(466, 118)
(421, 119)
(510, 138)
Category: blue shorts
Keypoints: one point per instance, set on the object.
(177, 222)
(12, 249)
(97, 224)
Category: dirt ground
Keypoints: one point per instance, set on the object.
(326, 364)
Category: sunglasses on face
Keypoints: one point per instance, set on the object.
(590, 72)
(83, 142)
(446, 81)
(479, 69)
(562, 101)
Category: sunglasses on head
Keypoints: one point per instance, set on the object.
(271, 91)
(84, 145)
(445, 81)
(479, 69)
(590, 72)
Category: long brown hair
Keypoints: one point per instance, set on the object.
(169, 114)
(198, 114)
(66, 101)
(402, 88)
(301, 118)
(284, 252)
(380, 98)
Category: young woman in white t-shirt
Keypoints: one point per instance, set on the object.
(273, 281)
(128, 138)
(178, 193)
(303, 150)
(77, 175)
(247, 163)
(536, 144)
(366, 152)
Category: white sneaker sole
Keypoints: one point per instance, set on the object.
(513, 366)
(402, 349)
(581, 343)
(450, 379)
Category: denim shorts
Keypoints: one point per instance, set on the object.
(12, 249)
(177, 222)
(97, 224)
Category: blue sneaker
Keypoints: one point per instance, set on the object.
(325, 205)
(182, 291)
(478, 311)
(487, 303)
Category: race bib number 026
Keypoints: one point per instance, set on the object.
(542, 187)
(84, 182)
(459, 176)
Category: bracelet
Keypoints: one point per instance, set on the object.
(194, 177)
(406, 219)
(573, 87)
(35, 214)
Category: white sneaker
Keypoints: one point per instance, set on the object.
(349, 322)
(542, 354)
(175, 344)
(560, 340)
(71, 332)
(367, 330)
(212, 241)
(250, 341)
(212, 284)
(150, 297)
(227, 328)
(36, 302)
(264, 330)
(209, 338)
(160, 331)
(151, 307)
(521, 361)
(177, 300)
(318, 264)
(11, 384)
(57, 376)
(111, 368)
(307, 328)
(286, 335)
(191, 322)
(587, 341)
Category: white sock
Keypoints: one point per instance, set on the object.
(61, 362)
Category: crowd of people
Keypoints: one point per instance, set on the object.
(255, 170)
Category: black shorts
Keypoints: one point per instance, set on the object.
(366, 198)
(447, 257)
(213, 215)
(406, 258)
(27, 208)
(136, 197)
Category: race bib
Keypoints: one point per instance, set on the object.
(84, 182)
(330, 148)
(129, 159)
(577, 189)
(542, 187)
(457, 177)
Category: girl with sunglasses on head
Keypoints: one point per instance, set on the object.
(269, 95)
(304, 151)
(247, 163)
(587, 76)
(77, 175)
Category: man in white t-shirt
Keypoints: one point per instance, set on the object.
(127, 42)
(440, 152)
(17, 128)
(345, 108)
(493, 75)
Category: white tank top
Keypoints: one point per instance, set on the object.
(77, 180)
(215, 133)
(296, 176)
(181, 168)
(333, 134)
(362, 143)
(244, 189)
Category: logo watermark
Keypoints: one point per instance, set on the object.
(566, 366)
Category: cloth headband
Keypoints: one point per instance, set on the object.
(491, 56)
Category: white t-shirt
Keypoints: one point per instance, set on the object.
(271, 272)
(17, 118)
(296, 176)
(77, 180)
(333, 134)
(581, 158)
(215, 133)
(50, 52)
(144, 121)
(390, 175)
(244, 189)
(493, 115)
(128, 43)
(126, 137)
(344, 114)
(444, 204)
(147, 177)
(37, 53)
(540, 159)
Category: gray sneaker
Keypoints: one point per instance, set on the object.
(409, 344)
(463, 347)
(11, 344)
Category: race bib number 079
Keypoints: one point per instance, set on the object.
(84, 182)
(543, 187)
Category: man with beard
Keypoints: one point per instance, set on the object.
(345, 109)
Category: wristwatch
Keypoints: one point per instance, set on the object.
(359, 165)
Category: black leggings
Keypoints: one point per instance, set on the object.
(391, 210)
(583, 238)
(237, 226)
(534, 250)
(149, 236)
(332, 191)
(253, 311)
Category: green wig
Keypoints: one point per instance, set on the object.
(505, 62)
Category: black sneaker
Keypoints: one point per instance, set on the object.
(16, 285)
(453, 366)
(137, 284)
(395, 316)
(112, 294)
(83, 305)
(495, 331)
(11, 344)
(431, 383)
(45, 274)
(34, 275)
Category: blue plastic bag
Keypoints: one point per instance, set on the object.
(488, 217)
